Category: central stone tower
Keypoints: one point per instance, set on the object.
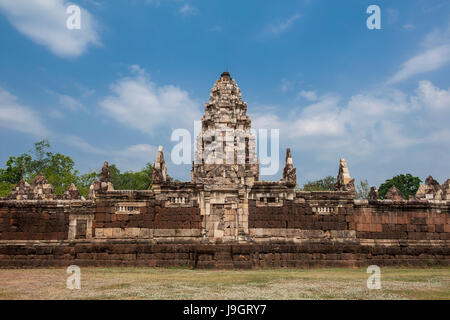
(225, 148)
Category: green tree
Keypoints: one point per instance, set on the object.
(16, 169)
(84, 182)
(362, 190)
(131, 180)
(57, 168)
(325, 184)
(407, 184)
(5, 188)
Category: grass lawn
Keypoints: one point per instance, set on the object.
(146, 283)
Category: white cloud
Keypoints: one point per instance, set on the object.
(430, 60)
(366, 125)
(20, 118)
(188, 10)
(435, 55)
(432, 96)
(79, 143)
(141, 104)
(44, 22)
(310, 95)
(278, 28)
(56, 114)
(17, 117)
(285, 85)
(65, 102)
(134, 157)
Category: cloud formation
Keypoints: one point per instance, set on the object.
(141, 104)
(366, 123)
(44, 22)
(18, 117)
(276, 29)
(430, 60)
(435, 55)
(188, 10)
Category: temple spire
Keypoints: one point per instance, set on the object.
(289, 172)
(159, 173)
(344, 181)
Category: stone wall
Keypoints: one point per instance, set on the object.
(38, 219)
(323, 253)
(414, 219)
(141, 214)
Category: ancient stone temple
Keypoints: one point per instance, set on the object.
(225, 216)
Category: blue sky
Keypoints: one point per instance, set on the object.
(137, 69)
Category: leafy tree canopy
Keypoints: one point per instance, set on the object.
(59, 170)
(130, 180)
(325, 184)
(407, 184)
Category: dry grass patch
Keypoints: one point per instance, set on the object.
(146, 283)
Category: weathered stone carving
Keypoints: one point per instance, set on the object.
(159, 172)
(344, 181)
(41, 188)
(446, 190)
(394, 194)
(72, 193)
(289, 172)
(431, 190)
(421, 192)
(22, 191)
(105, 176)
(104, 182)
(373, 194)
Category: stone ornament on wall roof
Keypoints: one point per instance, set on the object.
(431, 190)
(72, 193)
(394, 194)
(159, 172)
(38, 189)
(344, 181)
(289, 172)
(446, 190)
(373, 194)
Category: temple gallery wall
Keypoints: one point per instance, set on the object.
(225, 217)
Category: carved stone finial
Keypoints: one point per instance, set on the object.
(394, 194)
(289, 172)
(344, 181)
(159, 172)
(105, 176)
(446, 190)
(41, 188)
(39, 180)
(22, 191)
(373, 194)
(225, 74)
(72, 193)
(430, 190)
(421, 192)
(104, 182)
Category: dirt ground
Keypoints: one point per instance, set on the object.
(147, 283)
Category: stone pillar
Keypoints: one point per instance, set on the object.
(344, 181)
